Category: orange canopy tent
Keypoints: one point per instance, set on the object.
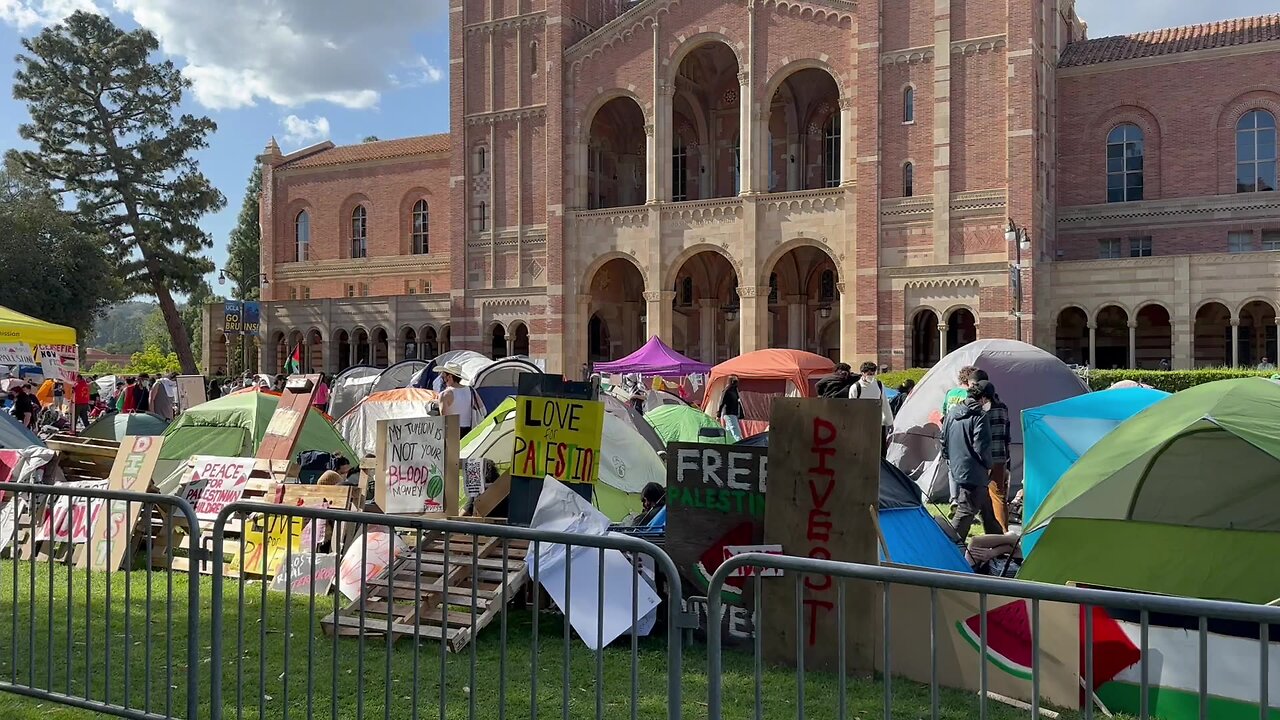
(762, 376)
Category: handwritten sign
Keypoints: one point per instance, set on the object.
(135, 464)
(558, 437)
(473, 478)
(224, 480)
(367, 558)
(14, 354)
(748, 571)
(307, 574)
(68, 519)
(9, 515)
(417, 466)
(267, 541)
(60, 362)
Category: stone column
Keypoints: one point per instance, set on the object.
(746, 134)
(752, 316)
(708, 309)
(1093, 345)
(651, 163)
(659, 314)
(942, 340)
(582, 347)
(1133, 344)
(846, 141)
(797, 319)
(1235, 342)
(1182, 344)
(793, 160)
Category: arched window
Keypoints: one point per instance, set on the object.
(421, 228)
(684, 291)
(908, 180)
(1256, 152)
(831, 150)
(533, 56)
(302, 237)
(827, 286)
(1124, 163)
(909, 105)
(482, 216)
(359, 232)
(482, 160)
(773, 288)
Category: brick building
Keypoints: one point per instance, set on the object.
(818, 174)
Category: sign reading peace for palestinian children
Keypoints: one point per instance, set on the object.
(558, 437)
(415, 457)
(223, 479)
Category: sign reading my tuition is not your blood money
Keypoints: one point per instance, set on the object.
(417, 466)
(559, 438)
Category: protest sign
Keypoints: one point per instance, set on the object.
(135, 464)
(266, 542)
(224, 480)
(68, 519)
(559, 438)
(191, 392)
(60, 362)
(473, 479)
(417, 466)
(307, 574)
(15, 354)
(367, 558)
(9, 515)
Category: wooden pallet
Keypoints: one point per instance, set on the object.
(415, 597)
(84, 458)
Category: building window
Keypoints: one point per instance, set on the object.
(482, 160)
(359, 232)
(306, 293)
(533, 56)
(1239, 242)
(302, 237)
(1256, 152)
(1109, 249)
(831, 150)
(773, 288)
(1124, 164)
(364, 290)
(679, 173)
(351, 290)
(1271, 239)
(293, 293)
(909, 105)
(684, 292)
(827, 286)
(421, 228)
(1140, 247)
(482, 216)
(908, 180)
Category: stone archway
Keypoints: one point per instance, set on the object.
(962, 328)
(616, 298)
(707, 308)
(381, 348)
(313, 358)
(362, 352)
(428, 344)
(1071, 337)
(497, 341)
(803, 135)
(520, 339)
(1153, 338)
(409, 347)
(1257, 334)
(925, 349)
(599, 344)
(1112, 338)
(803, 296)
(342, 349)
(617, 163)
(705, 124)
(1212, 336)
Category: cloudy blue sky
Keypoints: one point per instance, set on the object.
(311, 70)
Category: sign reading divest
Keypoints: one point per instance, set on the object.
(558, 437)
(417, 469)
(826, 474)
(135, 463)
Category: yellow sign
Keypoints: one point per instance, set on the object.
(269, 535)
(558, 437)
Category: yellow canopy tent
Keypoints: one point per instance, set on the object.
(18, 328)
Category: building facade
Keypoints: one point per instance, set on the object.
(826, 175)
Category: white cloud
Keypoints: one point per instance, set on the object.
(26, 14)
(420, 71)
(299, 132)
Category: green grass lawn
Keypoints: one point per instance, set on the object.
(272, 673)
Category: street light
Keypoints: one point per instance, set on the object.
(1018, 237)
(223, 272)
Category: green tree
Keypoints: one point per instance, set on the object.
(193, 313)
(103, 368)
(105, 125)
(155, 333)
(66, 277)
(371, 138)
(153, 361)
(244, 263)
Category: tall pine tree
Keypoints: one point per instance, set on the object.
(244, 263)
(105, 124)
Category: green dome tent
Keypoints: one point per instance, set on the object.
(116, 425)
(627, 461)
(683, 423)
(1180, 499)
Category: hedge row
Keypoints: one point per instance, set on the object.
(1167, 380)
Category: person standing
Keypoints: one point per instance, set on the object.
(456, 399)
(321, 397)
(958, 394)
(159, 401)
(966, 446)
(142, 393)
(868, 387)
(80, 393)
(730, 410)
(838, 383)
(904, 391)
(129, 398)
(24, 406)
(998, 419)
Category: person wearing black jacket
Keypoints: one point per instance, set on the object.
(730, 410)
(837, 384)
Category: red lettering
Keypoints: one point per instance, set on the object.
(814, 606)
(819, 525)
(820, 499)
(824, 435)
(530, 462)
(560, 462)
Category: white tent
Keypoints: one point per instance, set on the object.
(360, 425)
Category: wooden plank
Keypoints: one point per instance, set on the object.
(286, 422)
(823, 470)
(132, 472)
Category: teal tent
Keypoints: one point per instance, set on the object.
(117, 425)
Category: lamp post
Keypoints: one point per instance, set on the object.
(223, 273)
(1018, 237)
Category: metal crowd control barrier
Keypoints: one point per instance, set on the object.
(380, 669)
(90, 653)
(1145, 605)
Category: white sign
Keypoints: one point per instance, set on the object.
(69, 519)
(223, 481)
(60, 362)
(16, 354)
(378, 547)
(9, 515)
(748, 571)
(473, 479)
(413, 455)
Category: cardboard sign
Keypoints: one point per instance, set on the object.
(9, 515)
(378, 547)
(748, 571)
(69, 519)
(267, 539)
(15, 354)
(223, 479)
(191, 392)
(473, 478)
(559, 438)
(417, 467)
(301, 578)
(60, 362)
(135, 464)
(824, 466)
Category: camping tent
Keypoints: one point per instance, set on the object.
(426, 378)
(498, 380)
(1024, 376)
(627, 461)
(360, 425)
(653, 358)
(397, 376)
(14, 436)
(624, 412)
(1056, 435)
(116, 425)
(1179, 499)
(350, 387)
(233, 426)
(18, 328)
(681, 423)
(762, 376)
(911, 535)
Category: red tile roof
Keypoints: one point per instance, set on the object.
(1240, 31)
(370, 151)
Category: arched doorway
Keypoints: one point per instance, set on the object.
(1212, 342)
(617, 166)
(1071, 336)
(802, 298)
(962, 329)
(295, 344)
(280, 344)
(707, 308)
(498, 342)
(617, 299)
(1153, 338)
(314, 357)
(599, 346)
(925, 351)
(1257, 334)
(804, 133)
(342, 349)
(1112, 337)
(409, 344)
(430, 345)
(520, 340)
(360, 344)
(705, 124)
(446, 339)
(381, 348)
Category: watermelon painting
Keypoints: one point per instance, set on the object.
(1008, 637)
(713, 558)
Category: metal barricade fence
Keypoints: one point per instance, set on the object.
(423, 626)
(81, 634)
(846, 575)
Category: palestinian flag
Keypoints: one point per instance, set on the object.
(731, 591)
(294, 366)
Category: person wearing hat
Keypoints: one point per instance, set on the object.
(1001, 438)
(456, 399)
(966, 446)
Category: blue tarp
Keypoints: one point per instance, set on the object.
(1056, 435)
(13, 436)
(914, 538)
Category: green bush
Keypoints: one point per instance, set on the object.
(1170, 380)
(897, 377)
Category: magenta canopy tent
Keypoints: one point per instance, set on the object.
(654, 358)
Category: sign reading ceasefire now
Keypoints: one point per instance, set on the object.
(558, 437)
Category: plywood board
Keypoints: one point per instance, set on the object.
(416, 470)
(286, 422)
(135, 464)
